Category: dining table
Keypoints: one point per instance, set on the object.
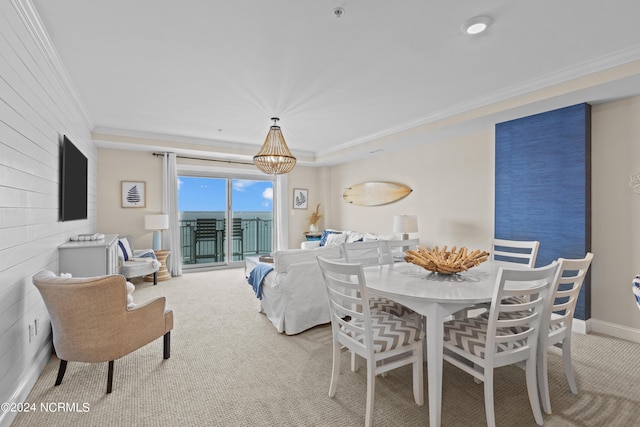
(435, 296)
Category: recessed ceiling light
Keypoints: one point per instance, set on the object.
(476, 25)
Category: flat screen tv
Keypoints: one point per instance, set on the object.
(73, 182)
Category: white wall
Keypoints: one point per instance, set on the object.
(452, 196)
(616, 217)
(36, 110)
(115, 166)
(309, 179)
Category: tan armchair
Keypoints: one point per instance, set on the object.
(91, 322)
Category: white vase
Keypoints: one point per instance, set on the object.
(313, 228)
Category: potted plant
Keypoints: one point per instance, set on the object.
(313, 220)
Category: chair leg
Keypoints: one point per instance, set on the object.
(335, 369)
(110, 377)
(354, 362)
(565, 345)
(488, 398)
(532, 388)
(418, 376)
(61, 370)
(371, 391)
(155, 278)
(543, 380)
(167, 345)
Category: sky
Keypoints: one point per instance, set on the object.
(209, 194)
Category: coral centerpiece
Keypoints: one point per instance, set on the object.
(444, 261)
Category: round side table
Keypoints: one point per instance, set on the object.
(163, 273)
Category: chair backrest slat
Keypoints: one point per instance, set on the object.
(374, 252)
(566, 290)
(514, 326)
(348, 295)
(518, 252)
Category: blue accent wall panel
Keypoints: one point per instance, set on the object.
(543, 186)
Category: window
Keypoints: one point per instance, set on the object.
(208, 205)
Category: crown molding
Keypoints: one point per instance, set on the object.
(32, 22)
(589, 68)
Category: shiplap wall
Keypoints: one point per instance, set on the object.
(37, 107)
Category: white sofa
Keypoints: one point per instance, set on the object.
(294, 298)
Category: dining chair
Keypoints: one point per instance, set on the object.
(519, 252)
(386, 341)
(399, 247)
(557, 322)
(507, 336)
(508, 253)
(372, 253)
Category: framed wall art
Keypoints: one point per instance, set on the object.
(134, 194)
(300, 198)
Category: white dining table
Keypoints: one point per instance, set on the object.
(435, 296)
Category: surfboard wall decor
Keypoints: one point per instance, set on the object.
(375, 193)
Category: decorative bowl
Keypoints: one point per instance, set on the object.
(444, 261)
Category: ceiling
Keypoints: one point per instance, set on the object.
(213, 73)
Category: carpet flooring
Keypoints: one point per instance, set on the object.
(229, 367)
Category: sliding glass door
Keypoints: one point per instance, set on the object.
(223, 219)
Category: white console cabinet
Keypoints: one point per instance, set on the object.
(89, 258)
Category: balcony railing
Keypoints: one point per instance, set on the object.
(252, 236)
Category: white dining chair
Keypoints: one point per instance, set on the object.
(508, 253)
(372, 253)
(557, 322)
(518, 252)
(507, 336)
(385, 341)
(399, 247)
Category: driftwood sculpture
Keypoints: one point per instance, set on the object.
(444, 261)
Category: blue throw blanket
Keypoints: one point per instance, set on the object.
(257, 275)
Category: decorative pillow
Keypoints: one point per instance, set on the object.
(336, 239)
(124, 250)
(354, 236)
(325, 234)
(130, 289)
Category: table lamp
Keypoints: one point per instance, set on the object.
(156, 223)
(405, 224)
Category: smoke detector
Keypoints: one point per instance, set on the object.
(338, 12)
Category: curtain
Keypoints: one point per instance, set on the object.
(170, 207)
(281, 219)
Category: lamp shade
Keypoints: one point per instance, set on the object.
(156, 222)
(405, 224)
(274, 157)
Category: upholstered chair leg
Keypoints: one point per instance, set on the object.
(61, 370)
(167, 345)
(110, 377)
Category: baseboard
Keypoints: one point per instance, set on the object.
(29, 380)
(581, 326)
(614, 330)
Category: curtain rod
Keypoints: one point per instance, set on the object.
(203, 158)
